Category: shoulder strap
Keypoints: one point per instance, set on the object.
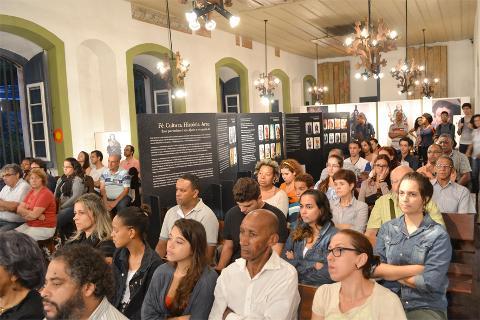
(392, 210)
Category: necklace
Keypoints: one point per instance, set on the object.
(2, 310)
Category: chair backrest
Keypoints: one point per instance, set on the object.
(460, 226)
(306, 299)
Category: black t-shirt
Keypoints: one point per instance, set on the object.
(233, 220)
(31, 308)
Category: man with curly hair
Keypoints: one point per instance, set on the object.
(77, 286)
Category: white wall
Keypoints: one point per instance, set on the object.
(97, 35)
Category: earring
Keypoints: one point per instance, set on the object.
(357, 267)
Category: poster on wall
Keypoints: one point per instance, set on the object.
(368, 109)
(336, 133)
(111, 142)
(227, 145)
(388, 111)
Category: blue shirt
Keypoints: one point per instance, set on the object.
(115, 182)
(305, 264)
(430, 246)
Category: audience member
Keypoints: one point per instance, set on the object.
(425, 136)
(348, 212)
(348, 166)
(354, 295)
(260, 285)
(22, 272)
(361, 165)
(26, 166)
(51, 181)
(115, 185)
(38, 208)
(366, 151)
(363, 130)
(375, 145)
(391, 154)
(289, 168)
(465, 127)
(445, 127)
(129, 160)
(84, 159)
(473, 151)
(416, 252)
(268, 173)
(184, 286)
(386, 207)
(306, 247)
(397, 130)
(460, 161)
(379, 182)
(246, 193)
(93, 224)
(97, 169)
(69, 187)
(428, 170)
(134, 262)
(77, 285)
(11, 196)
(415, 132)
(406, 156)
(189, 206)
(327, 186)
(444, 105)
(449, 196)
(303, 182)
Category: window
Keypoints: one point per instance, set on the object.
(38, 121)
(232, 103)
(163, 101)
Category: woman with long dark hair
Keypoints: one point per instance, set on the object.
(84, 159)
(182, 288)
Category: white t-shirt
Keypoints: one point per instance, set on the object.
(96, 173)
(382, 304)
(360, 165)
(15, 194)
(126, 295)
(279, 200)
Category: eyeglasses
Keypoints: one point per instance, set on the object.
(8, 174)
(443, 166)
(337, 252)
(381, 166)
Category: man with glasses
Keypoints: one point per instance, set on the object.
(433, 153)
(449, 196)
(460, 161)
(11, 196)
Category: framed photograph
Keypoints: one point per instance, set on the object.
(272, 132)
(232, 137)
(233, 156)
(278, 149)
(309, 143)
(272, 150)
(343, 124)
(337, 137)
(325, 138)
(111, 142)
(337, 124)
(266, 132)
(344, 137)
(331, 138)
(325, 124)
(277, 132)
(316, 128)
(267, 151)
(331, 124)
(316, 143)
(260, 132)
(308, 128)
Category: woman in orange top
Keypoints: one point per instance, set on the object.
(289, 168)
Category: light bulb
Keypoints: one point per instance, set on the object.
(436, 80)
(162, 68)
(364, 33)
(234, 21)
(194, 25)
(210, 25)
(393, 34)
(191, 16)
(365, 77)
(425, 80)
(375, 76)
(265, 101)
(310, 89)
(399, 92)
(417, 82)
(380, 75)
(348, 41)
(325, 89)
(421, 68)
(180, 93)
(357, 75)
(409, 93)
(317, 103)
(276, 80)
(256, 82)
(392, 70)
(374, 43)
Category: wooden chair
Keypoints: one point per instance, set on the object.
(306, 299)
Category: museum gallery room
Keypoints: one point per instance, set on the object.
(336, 141)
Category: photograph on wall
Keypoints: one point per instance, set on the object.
(272, 132)
(233, 156)
(331, 124)
(369, 109)
(266, 135)
(110, 143)
(309, 143)
(260, 132)
(272, 150)
(451, 105)
(267, 151)
(337, 137)
(278, 149)
(325, 124)
(277, 131)
(343, 124)
(325, 138)
(316, 143)
(344, 137)
(331, 138)
(261, 152)
(337, 124)
(316, 128)
(308, 127)
(232, 137)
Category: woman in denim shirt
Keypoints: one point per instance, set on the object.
(306, 248)
(416, 252)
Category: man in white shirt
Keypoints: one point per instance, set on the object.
(259, 285)
(12, 194)
(96, 158)
(358, 162)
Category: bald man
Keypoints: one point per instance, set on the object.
(386, 207)
(259, 285)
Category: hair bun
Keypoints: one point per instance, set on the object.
(146, 209)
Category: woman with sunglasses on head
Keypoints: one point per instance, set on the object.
(327, 186)
(377, 185)
(268, 173)
(415, 251)
(354, 295)
(289, 169)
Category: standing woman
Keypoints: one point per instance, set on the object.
(182, 288)
(334, 163)
(84, 159)
(416, 252)
(268, 173)
(306, 248)
(290, 168)
(377, 185)
(134, 262)
(348, 212)
(69, 187)
(473, 151)
(425, 134)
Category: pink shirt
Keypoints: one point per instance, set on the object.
(127, 164)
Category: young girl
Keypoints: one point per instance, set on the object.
(289, 168)
(182, 288)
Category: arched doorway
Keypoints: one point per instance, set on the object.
(226, 67)
(285, 80)
(308, 82)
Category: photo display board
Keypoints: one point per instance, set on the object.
(336, 132)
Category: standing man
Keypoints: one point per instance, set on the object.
(129, 160)
(446, 127)
(465, 128)
(397, 130)
(460, 161)
(115, 185)
(363, 130)
(26, 166)
(11, 196)
(96, 158)
(189, 206)
(259, 285)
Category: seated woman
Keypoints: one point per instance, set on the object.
(38, 208)
(22, 273)
(391, 153)
(134, 262)
(84, 159)
(289, 169)
(267, 173)
(306, 248)
(348, 212)
(93, 223)
(69, 187)
(354, 295)
(416, 252)
(379, 182)
(182, 288)
(367, 152)
(334, 163)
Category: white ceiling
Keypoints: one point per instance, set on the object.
(18, 45)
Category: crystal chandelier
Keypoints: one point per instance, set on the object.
(318, 92)
(406, 72)
(266, 82)
(368, 42)
(427, 86)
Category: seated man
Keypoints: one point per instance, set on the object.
(77, 284)
(189, 206)
(260, 285)
(449, 196)
(460, 161)
(25, 165)
(129, 161)
(11, 196)
(115, 185)
(433, 153)
(346, 165)
(96, 158)
(246, 193)
(406, 146)
(386, 207)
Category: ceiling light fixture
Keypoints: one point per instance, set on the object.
(428, 87)
(318, 92)
(202, 9)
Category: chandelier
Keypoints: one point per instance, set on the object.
(266, 83)
(181, 65)
(406, 72)
(202, 9)
(427, 86)
(368, 42)
(318, 92)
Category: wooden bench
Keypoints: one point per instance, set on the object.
(306, 299)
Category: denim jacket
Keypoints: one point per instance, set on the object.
(430, 246)
(307, 274)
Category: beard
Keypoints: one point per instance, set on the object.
(70, 309)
